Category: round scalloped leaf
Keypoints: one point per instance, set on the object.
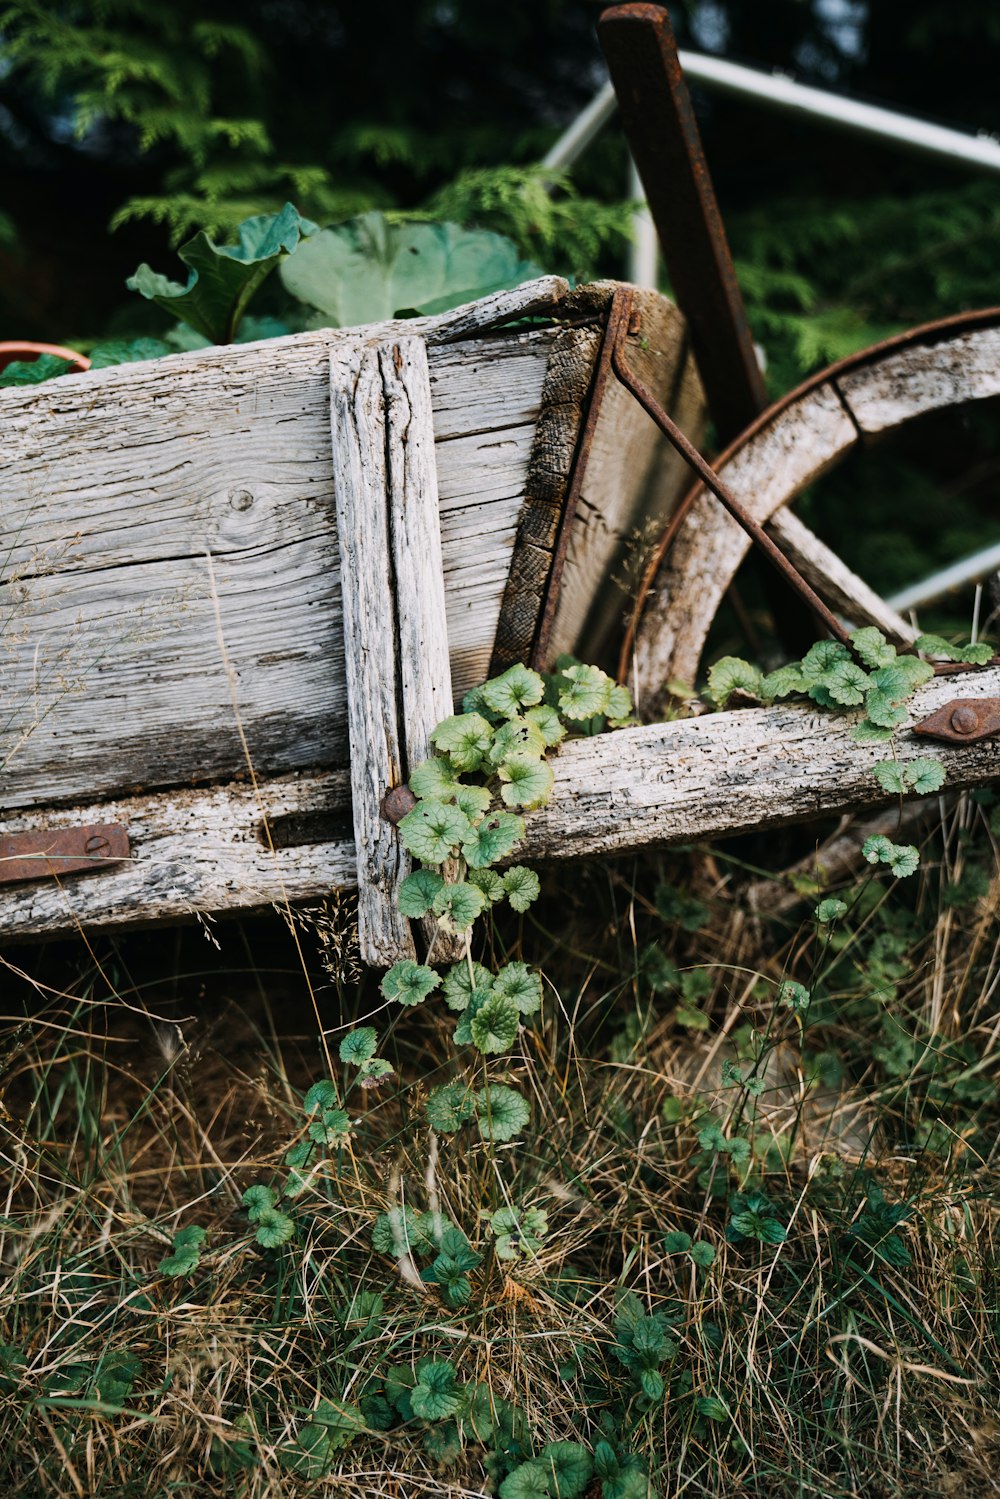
(358, 1045)
(518, 982)
(584, 691)
(518, 1231)
(495, 1025)
(459, 904)
(831, 909)
(489, 882)
(257, 1199)
(518, 736)
(870, 733)
(433, 830)
(904, 860)
(846, 684)
(521, 885)
(435, 778)
(418, 891)
(882, 710)
(703, 1254)
(502, 1112)
(925, 775)
(465, 738)
(528, 782)
(904, 676)
(332, 1127)
(449, 1107)
(409, 982)
(781, 683)
(548, 723)
(891, 776)
(568, 1467)
(274, 1228)
(462, 1033)
(527, 1481)
(474, 801)
(877, 849)
(396, 1232)
(493, 839)
(822, 658)
(322, 1095)
(513, 691)
(435, 1395)
(794, 996)
(676, 1242)
(620, 705)
(732, 674)
(872, 647)
(460, 982)
(935, 645)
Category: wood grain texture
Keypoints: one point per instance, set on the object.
(841, 588)
(646, 787)
(923, 377)
(115, 488)
(369, 458)
(195, 853)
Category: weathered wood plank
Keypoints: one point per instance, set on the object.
(925, 376)
(709, 777)
(841, 588)
(366, 429)
(195, 852)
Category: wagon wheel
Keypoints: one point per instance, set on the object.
(802, 436)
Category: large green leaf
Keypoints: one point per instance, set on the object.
(369, 269)
(224, 277)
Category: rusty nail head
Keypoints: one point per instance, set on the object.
(97, 844)
(398, 800)
(965, 719)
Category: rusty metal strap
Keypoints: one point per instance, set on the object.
(54, 852)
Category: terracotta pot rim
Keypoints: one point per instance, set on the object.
(22, 346)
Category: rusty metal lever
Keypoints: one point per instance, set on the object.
(962, 721)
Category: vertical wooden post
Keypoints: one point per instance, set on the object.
(392, 583)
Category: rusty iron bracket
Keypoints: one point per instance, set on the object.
(60, 851)
(962, 721)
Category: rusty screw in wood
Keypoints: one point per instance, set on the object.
(396, 803)
(96, 845)
(965, 720)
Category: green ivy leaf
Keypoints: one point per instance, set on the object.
(186, 1253)
(502, 1113)
(435, 779)
(872, 647)
(587, 691)
(449, 1107)
(703, 1254)
(516, 689)
(474, 801)
(528, 782)
(846, 684)
(517, 736)
(433, 831)
(409, 982)
(935, 645)
(332, 1127)
(465, 738)
(903, 677)
(462, 1033)
(821, 658)
(224, 277)
(677, 1242)
(567, 1466)
(830, 909)
(866, 732)
(925, 775)
(258, 1199)
(904, 860)
(435, 1395)
(522, 886)
(732, 674)
(459, 984)
(418, 891)
(527, 1481)
(493, 839)
(489, 882)
(782, 683)
(520, 984)
(322, 1095)
(882, 710)
(459, 904)
(370, 269)
(891, 775)
(495, 1025)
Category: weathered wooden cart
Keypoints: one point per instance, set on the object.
(239, 587)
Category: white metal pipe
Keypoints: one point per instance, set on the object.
(967, 570)
(781, 92)
(644, 251)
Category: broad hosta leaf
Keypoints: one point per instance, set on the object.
(493, 839)
(224, 277)
(584, 691)
(460, 982)
(514, 690)
(465, 738)
(517, 736)
(732, 674)
(358, 1045)
(502, 1112)
(459, 903)
(418, 891)
(435, 778)
(368, 270)
(495, 1025)
(433, 830)
(409, 982)
(528, 782)
(518, 982)
(449, 1107)
(873, 648)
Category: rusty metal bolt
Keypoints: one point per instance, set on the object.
(965, 720)
(396, 803)
(96, 845)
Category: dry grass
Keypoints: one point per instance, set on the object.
(146, 1092)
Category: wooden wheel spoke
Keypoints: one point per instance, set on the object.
(834, 581)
